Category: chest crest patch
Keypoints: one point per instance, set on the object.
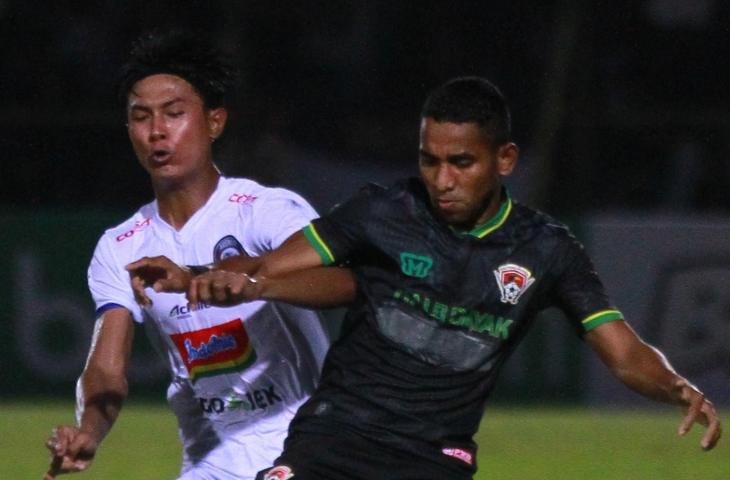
(512, 281)
(226, 247)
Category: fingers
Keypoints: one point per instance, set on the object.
(160, 273)
(691, 415)
(60, 438)
(63, 452)
(142, 262)
(699, 410)
(220, 288)
(54, 469)
(138, 287)
(714, 429)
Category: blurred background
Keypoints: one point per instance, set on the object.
(621, 109)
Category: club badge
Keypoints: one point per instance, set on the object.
(226, 247)
(513, 280)
(280, 472)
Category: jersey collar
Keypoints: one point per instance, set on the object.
(481, 231)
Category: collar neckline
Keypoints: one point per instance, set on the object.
(494, 223)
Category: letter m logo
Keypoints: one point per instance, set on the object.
(414, 265)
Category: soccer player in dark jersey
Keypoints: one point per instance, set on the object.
(451, 272)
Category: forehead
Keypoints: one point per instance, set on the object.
(434, 133)
(161, 88)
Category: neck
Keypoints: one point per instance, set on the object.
(491, 205)
(177, 202)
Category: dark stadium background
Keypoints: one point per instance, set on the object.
(621, 108)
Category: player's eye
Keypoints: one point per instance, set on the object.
(175, 113)
(139, 116)
(462, 162)
(426, 160)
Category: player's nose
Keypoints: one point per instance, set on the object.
(157, 128)
(445, 179)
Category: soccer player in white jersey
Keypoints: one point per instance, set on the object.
(238, 373)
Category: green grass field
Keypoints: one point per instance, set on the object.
(515, 444)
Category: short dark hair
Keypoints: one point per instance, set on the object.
(187, 55)
(471, 99)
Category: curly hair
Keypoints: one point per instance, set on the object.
(471, 99)
(187, 55)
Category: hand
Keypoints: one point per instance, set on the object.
(71, 451)
(223, 289)
(698, 409)
(160, 273)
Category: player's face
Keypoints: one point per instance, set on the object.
(462, 171)
(170, 128)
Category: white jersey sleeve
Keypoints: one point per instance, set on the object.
(278, 215)
(109, 282)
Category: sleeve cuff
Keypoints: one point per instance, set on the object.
(318, 244)
(599, 318)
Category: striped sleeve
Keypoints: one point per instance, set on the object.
(599, 318)
(310, 232)
(343, 232)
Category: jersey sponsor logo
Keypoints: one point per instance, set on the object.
(474, 320)
(279, 472)
(138, 226)
(414, 265)
(226, 247)
(242, 198)
(512, 281)
(259, 399)
(212, 351)
(459, 453)
(184, 311)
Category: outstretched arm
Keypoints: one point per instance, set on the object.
(292, 273)
(100, 392)
(646, 370)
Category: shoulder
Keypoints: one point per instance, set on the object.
(133, 226)
(403, 191)
(120, 242)
(527, 223)
(244, 191)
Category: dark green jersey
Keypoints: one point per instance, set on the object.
(439, 311)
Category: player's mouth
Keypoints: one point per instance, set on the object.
(160, 157)
(446, 204)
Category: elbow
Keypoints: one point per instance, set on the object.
(107, 382)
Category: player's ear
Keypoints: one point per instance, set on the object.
(507, 155)
(217, 118)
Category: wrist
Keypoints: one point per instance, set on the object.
(258, 285)
(195, 270)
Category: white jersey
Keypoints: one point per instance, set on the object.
(238, 373)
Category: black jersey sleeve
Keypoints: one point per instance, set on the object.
(342, 231)
(579, 291)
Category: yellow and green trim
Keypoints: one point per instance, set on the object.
(481, 231)
(318, 244)
(599, 318)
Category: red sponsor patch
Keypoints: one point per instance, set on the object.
(215, 350)
(465, 456)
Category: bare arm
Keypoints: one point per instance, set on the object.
(646, 370)
(164, 275)
(292, 273)
(100, 392)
